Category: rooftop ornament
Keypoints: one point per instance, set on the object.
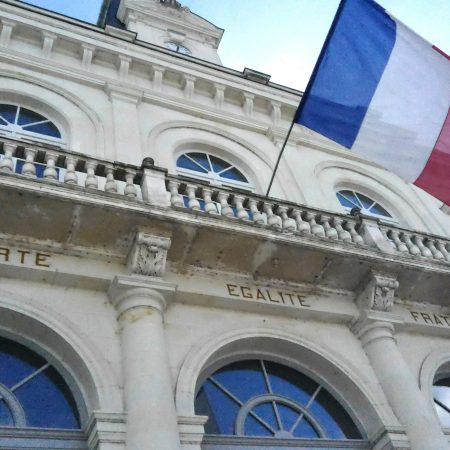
(171, 3)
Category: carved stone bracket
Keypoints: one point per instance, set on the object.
(378, 293)
(148, 255)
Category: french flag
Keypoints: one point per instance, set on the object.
(383, 92)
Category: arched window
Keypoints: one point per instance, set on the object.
(177, 47)
(36, 401)
(257, 399)
(352, 199)
(211, 168)
(441, 397)
(23, 122)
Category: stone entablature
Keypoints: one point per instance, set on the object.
(90, 55)
(148, 197)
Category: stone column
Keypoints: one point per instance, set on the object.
(140, 300)
(375, 329)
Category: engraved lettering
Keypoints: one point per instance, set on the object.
(415, 315)
(302, 301)
(260, 295)
(41, 259)
(290, 298)
(270, 298)
(231, 288)
(22, 255)
(446, 320)
(5, 253)
(436, 320)
(426, 317)
(246, 292)
(282, 297)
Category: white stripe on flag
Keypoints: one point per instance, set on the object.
(408, 109)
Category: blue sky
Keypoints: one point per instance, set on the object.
(282, 37)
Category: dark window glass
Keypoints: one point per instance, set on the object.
(233, 174)
(350, 200)
(6, 419)
(37, 387)
(219, 165)
(48, 128)
(8, 113)
(265, 399)
(3, 121)
(188, 163)
(441, 396)
(27, 117)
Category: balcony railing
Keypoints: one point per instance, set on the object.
(151, 185)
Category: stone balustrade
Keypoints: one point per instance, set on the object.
(149, 185)
(57, 166)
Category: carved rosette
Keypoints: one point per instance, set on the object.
(148, 255)
(378, 293)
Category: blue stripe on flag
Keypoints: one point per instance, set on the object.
(348, 71)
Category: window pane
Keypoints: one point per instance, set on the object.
(41, 391)
(366, 201)
(224, 409)
(3, 122)
(333, 418)
(305, 430)
(47, 402)
(47, 128)
(218, 164)
(8, 113)
(243, 379)
(379, 210)
(443, 415)
(288, 416)
(266, 412)
(289, 383)
(347, 201)
(203, 408)
(6, 419)
(233, 174)
(26, 117)
(442, 394)
(255, 428)
(186, 163)
(202, 159)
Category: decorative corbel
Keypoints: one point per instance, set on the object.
(148, 255)
(378, 293)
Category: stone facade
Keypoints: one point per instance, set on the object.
(137, 279)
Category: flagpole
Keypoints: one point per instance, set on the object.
(307, 90)
(279, 156)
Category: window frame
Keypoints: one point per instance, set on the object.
(213, 178)
(32, 136)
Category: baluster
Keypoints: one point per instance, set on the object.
(241, 213)
(273, 221)
(130, 189)
(111, 183)
(434, 251)
(418, 240)
(302, 226)
(7, 164)
(226, 209)
(413, 249)
(443, 250)
(210, 206)
(399, 245)
(343, 235)
(29, 169)
(71, 176)
(330, 232)
(316, 229)
(91, 181)
(350, 226)
(50, 172)
(256, 214)
(384, 233)
(176, 199)
(288, 224)
(193, 203)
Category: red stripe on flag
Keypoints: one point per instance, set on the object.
(435, 177)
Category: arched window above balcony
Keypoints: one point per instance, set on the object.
(352, 199)
(21, 122)
(211, 168)
(263, 399)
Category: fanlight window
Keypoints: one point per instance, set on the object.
(176, 47)
(441, 397)
(352, 199)
(263, 399)
(20, 121)
(33, 395)
(211, 168)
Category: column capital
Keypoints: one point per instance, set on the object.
(148, 255)
(133, 292)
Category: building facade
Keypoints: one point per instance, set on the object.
(151, 295)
